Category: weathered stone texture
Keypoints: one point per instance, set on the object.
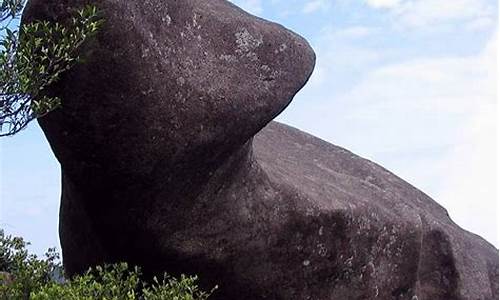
(164, 165)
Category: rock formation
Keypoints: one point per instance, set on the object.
(167, 163)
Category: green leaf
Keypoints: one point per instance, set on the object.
(36, 60)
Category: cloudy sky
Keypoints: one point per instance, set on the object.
(409, 84)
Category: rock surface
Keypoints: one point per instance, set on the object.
(163, 166)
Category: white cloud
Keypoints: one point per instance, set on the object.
(312, 6)
(252, 6)
(383, 3)
(448, 104)
(480, 24)
(431, 12)
(337, 53)
(430, 120)
(425, 13)
(470, 188)
(354, 32)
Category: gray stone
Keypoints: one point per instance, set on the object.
(165, 166)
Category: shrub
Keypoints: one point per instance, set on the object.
(33, 57)
(24, 276)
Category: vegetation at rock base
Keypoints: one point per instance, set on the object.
(23, 276)
(34, 56)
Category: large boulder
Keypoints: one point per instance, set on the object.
(160, 168)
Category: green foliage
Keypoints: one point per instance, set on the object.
(27, 271)
(10, 9)
(34, 57)
(184, 288)
(116, 282)
(24, 276)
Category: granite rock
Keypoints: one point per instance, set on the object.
(170, 161)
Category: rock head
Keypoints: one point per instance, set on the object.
(169, 161)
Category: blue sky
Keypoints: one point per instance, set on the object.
(409, 84)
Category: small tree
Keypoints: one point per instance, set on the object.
(32, 58)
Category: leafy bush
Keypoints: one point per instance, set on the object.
(24, 276)
(32, 58)
(22, 272)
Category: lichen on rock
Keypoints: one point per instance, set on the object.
(170, 160)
